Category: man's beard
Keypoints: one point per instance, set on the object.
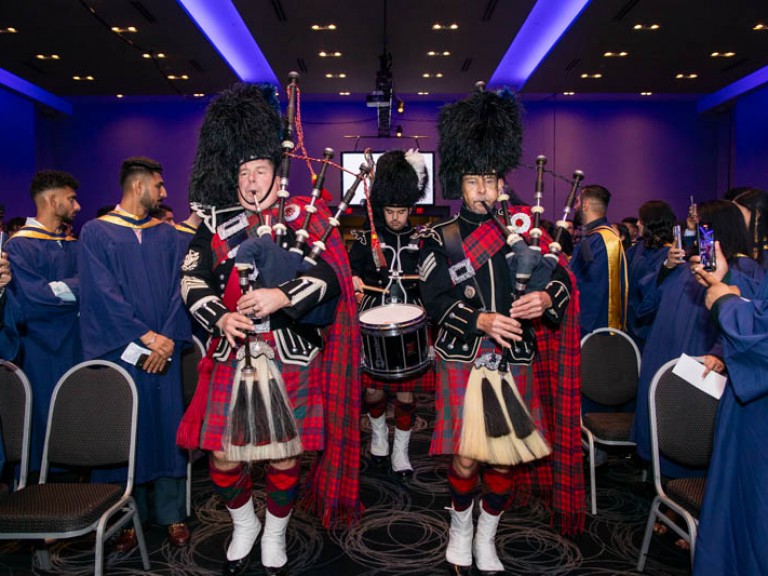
(578, 218)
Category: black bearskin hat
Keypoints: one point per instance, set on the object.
(481, 134)
(242, 123)
(400, 179)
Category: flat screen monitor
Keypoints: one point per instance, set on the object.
(352, 160)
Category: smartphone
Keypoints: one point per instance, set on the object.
(693, 211)
(706, 241)
(677, 235)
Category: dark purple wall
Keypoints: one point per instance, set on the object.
(750, 146)
(17, 153)
(640, 150)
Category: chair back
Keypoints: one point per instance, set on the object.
(15, 416)
(610, 367)
(190, 358)
(92, 420)
(682, 419)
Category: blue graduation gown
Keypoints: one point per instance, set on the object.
(49, 330)
(641, 261)
(9, 335)
(129, 288)
(682, 325)
(734, 517)
(590, 266)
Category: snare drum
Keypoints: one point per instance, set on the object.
(395, 341)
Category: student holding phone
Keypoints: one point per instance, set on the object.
(682, 323)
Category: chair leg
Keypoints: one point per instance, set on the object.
(189, 483)
(140, 539)
(693, 531)
(592, 480)
(652, 515)
(42, 557)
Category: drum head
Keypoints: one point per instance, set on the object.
(391, 315)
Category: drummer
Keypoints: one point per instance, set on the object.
(400, 181)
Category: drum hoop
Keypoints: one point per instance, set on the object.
(395, 328)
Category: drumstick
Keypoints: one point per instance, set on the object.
(410, 277)
(375, 289)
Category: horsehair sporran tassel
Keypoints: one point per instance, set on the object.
(239, 428)
(284, 423)
(495, 420)
(473, 440)
(261, 429)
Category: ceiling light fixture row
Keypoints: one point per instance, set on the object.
(723, 54)
(431, 75)
(592, 76)
(47, 56)
(646, 26)
(621, 54)
(87, 78)
(323, 27)
(682, 76)
(434, 53)
(126, 30)
(438, 26)
(9, 30)
(177, 77)
(150, 55)
(324, 54)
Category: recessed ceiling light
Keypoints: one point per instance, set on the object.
(686, 76)
(437, 53)
(646, 93)
(430, 75)
(198, 94)
(597, 75)
(646, 26)
(344, 93)
(568, 93)
(723, 54)
(177, 77)
(341, 75)
(323, 26)
(47, 56)
(423, 93)
(128, 30)
(324, 54)
(755, 27)
(438, 26)
(8, 30)
(149, 55)
(88, 78)
(615, 54)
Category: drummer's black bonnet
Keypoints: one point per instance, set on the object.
(401, 178)
(482, 134)
(241, 124)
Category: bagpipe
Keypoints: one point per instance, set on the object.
(529, 269)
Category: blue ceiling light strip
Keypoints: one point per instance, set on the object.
(734, 90)
(545, 24)
(222, 24)
(21, 86)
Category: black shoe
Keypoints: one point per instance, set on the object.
(456, 570)
(236, 567)
(407, 473)
(379, 459)
(270, 571)
(490, 572)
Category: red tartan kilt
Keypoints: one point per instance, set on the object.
(451, 386)
(307, 404)
(421, 383)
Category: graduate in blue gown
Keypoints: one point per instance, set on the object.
(644, 258)
(682, 323)
(734, 517)
(599, 264)
(129, 269)
(46, 288)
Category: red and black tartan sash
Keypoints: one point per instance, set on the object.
(482, 244)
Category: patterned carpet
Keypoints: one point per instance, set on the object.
(402, 532)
